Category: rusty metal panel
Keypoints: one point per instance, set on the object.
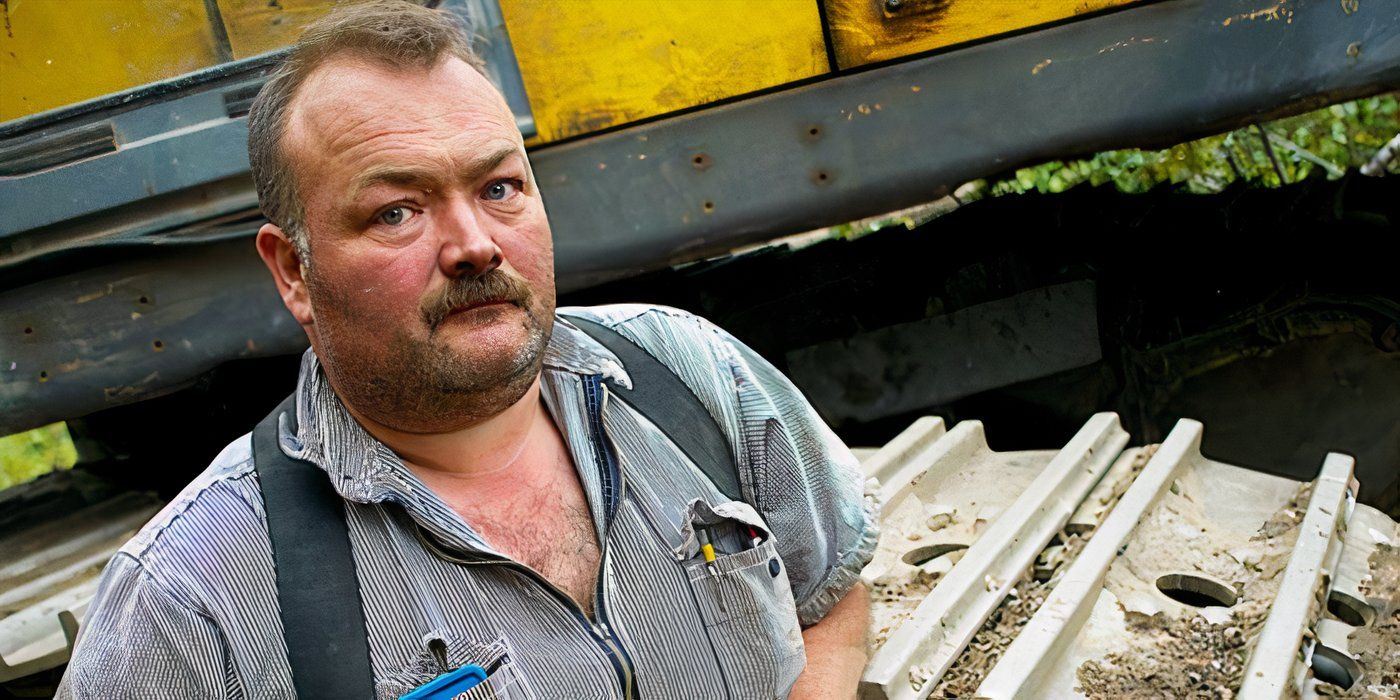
(591, 64)
(121, 333)
(54, 53)
(870, 31)
(258, 26)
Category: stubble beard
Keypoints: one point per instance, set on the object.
(420, 385)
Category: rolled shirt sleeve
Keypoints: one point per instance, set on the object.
(807, 484)
(140, 641)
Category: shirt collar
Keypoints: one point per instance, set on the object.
(572, 350)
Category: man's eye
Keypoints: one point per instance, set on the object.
(502, 189)
(396, 216)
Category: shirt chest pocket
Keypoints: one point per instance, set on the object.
(504, 680)
(744, 599)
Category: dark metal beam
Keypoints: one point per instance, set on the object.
(150, 321)
(891, 137)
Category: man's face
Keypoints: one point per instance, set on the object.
(431, 282)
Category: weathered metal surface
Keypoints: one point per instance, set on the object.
(1199, 568)
(869, 31)
(181, 139)
(593, 64)
(887, 138)
(115, 334)
(908, 366)
(56, 53)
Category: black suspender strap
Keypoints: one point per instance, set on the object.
(665, 400)
(317, 589)
(318, 592)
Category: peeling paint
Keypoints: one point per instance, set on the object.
(93, 295)
(1041, 66)
(1280, 10)
(1129, 42)
(72, 366)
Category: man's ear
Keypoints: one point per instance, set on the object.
(282, 261)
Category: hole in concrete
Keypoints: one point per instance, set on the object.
(1332, 666)
(709, 206)
(924, 555)
(28, 330)
(1350, 609)
(1196, 591)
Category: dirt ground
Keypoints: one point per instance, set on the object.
(1377, 646)
(987, 646)
(997, 633)
(1188, 656)
(897, 597)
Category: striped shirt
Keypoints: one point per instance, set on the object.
(188, 608)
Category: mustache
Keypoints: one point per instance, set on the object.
(462, 292)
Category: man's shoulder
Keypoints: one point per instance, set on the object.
(674, 336)
(622, 315)
(220, 507)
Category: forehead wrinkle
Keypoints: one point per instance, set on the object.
(417, 176)
(433, 176)
(473, 168)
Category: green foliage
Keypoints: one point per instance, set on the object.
(1322, 143)
(29, 455)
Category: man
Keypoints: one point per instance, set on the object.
(502, 509)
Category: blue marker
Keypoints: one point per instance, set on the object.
(448, 685)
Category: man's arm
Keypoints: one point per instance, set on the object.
(836, 649)
(139, 641)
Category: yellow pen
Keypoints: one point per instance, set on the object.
(707, 549)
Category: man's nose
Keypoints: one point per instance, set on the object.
(468, 249)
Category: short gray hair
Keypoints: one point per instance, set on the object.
(397, 33)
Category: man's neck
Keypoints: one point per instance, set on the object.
(477, 454)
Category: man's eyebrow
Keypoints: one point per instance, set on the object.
(429, 177)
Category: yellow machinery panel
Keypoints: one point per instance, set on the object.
(259, 26)
(57, 52)
(591, 64)
(867, 31)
